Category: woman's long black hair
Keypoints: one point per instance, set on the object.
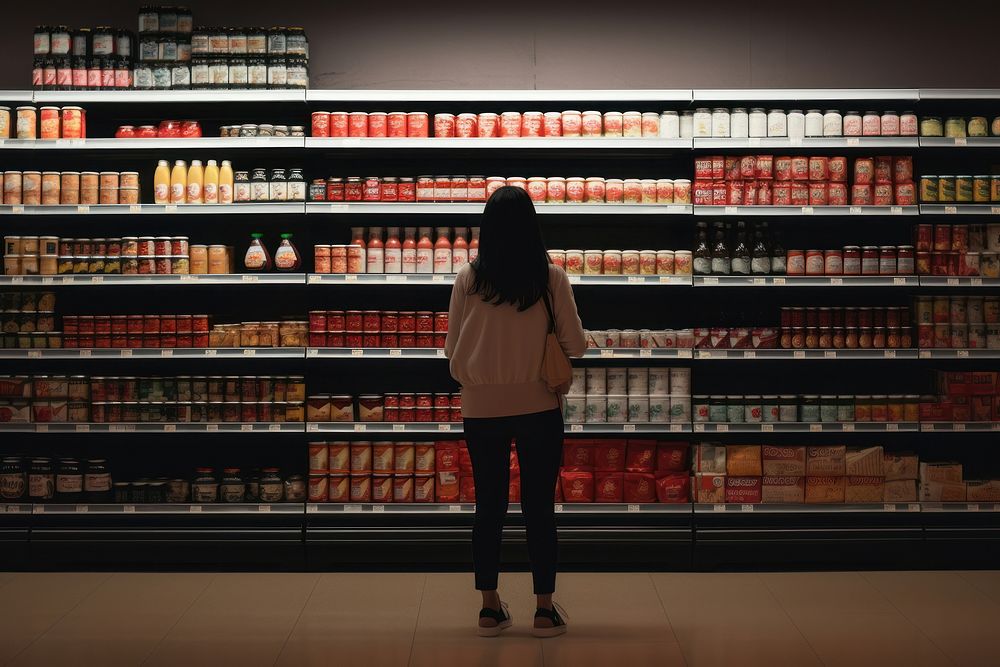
(513, 264)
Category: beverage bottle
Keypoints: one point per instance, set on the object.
(740, 265)
(474, 245)
(393, 251)
(226, 183)
(425, 251)
(210, 189)
(760, 264)
(286, 257)
(459, 250)
(778, 257)
(257, 258)
(194, 178)
(721, 262)
(442, 252)
(702, 256)
(178, 183)
(408, 254)
(375, 251)
(161, 183)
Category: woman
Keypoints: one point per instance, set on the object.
(501, 308)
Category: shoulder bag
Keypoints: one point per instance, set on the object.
(557, 372)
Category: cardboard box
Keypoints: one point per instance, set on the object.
(983, 491)
(826, 461)
(783, 489)
(709, 488)
(900, 466)
(825, 490)
(942, 492)
(866, 461)
(743, 460)
(709, 457)
(783, 461)
(743, 490)
(864, 489)
(900, 491)
(940, 472)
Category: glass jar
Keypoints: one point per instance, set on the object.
(777, 123)
(272, 490)
(814, 123)
(296, 185)
(256, 40)
(890, 124)
(218, 73)
(297, 73)
(13, 481)
(833, 123)
(41, 480)
(809, 409)
(69, 481)
(788, 408)
(232, 489)
(295, 489)
(954, 126)
(871, 124)
(686, 124)
(720, 123)
(180, 76)
(717, 412)
(257, 72)
(796, 122)
(739, 124)
(277, 72)
(670, 125)
(845, 408)
(277, 42)
(734, 409)
(200, 78)
(97, 481)
(296, 43)
(237, 41)
(853, 124)
(978, 127)
(204, 487)
(827, 408)
(931, 126)
(702, 126)
(758, 122)
(238, 73)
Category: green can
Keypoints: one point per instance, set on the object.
(946, 189)
(963, 189)
(981, 189)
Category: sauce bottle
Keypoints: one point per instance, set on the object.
(257, 258)
(459, 250)
(442, 252)
(194, 180)
(376, 251)
(161, 183)
(358, 237)
(393, 252)
(425, 251)
(178, 182)
(408, 255)
(226, 183)
(211, 186)
(286, 257)
(474, 245)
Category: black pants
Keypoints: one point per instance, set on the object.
(539, 438)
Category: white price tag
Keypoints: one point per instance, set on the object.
(250, 353)
(351, 278)
(574, 279)
(249, 278)
(211, 352)
(973, 507)
(38, 509)
(814, 428)
(924, 354)
(83, 209)
(194, 508)
(559, 507)
(17, 209)
(794, 141)
(357, 352)
(83, 428)
(807, 210)
(440, 352)
(749, 354)
(399, 427)
(684, 353)
(633, 508)
(395, 352)
(96, 280)
(438, 278)
(263, 508)
(995, 426)
(746, 508)
(767, 428)
(352, 508)
(899, 281)
(952, 281)
(274, 427)
(246, 427)
(166, 353)
(312, 427)
(778, 280)
(628, 428)
(170, 208)
(361, 427)
(312, 509)
(632, 280)
(950, 210)
(125, 353)
(759, 281)
(961, 141)
(313, 278)
(41, 428)
(128, 509)
(312, 352)
(889, 507)
(120, 428)
(82, 509)
(913, 507)
(847, 427)
(798, 354)
(135, 208)
(889, 354)
(976, 282)
(699, 428)
(208, 427)
(34, 354)
(378, 508)
(962, 354)
(576, 428)
(188, 278)
(995, 210)
(836, 281)
(722, 428)
(396, 278)
(895, 210)
(454, 508)
(172, 428)
(676, 428)
(444, 427)
(959, 427)
(892, 427)
(732, 210)
(607, 353)
(666, 280)
(853, 141)
(704, 354)
(17, 280)
(718, 508)
(829, 354)
(710, 280)
(645, 353)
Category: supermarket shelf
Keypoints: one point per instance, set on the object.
(106, 143)
(960, 142)
(16, 96)
(445, 208)
(649, 95)
(17, 144)
(806, 354)
(806, 281)
(958, 281)
(166, 353)
(646, 353)
(187, 427)
(959, 209)
(452, 143)
(790, 508)
(515, 508)
(960, 93)
(169, 508)
(782, 94)
(155, 209)
(380, 278)
(806, 143)
(456, 427)
(173, 96)
(953, 353)
(959, 427)
(172, 279)
(806, 210)
(15, 508)
(960, 507)
(374, 353)
(617, 429)
(803, 427)
(577, 279)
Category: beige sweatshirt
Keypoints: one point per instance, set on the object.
(496, 352)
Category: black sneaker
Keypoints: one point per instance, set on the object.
(555, 615)
(502, 617)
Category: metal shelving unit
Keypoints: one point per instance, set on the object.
(169, 508)
(804, 94)
(805, 354)
(131, 144)
(173, 279)
(960, 142)
(785, 508)
(776, 211)
(291, 208)
(185, 427)
(806, 281)
(429, 428)
(499, 95)
(161, 353)
(444, 208)
(167, 96)
(493, 144)
(808, 143)
(959, 209)
(804, 427)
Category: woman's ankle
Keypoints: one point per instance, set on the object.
(491, 600)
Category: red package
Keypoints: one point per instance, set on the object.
(743, 490)
(609, 487)
(671, 456)
(703, 167)
(640, 487)
(466, 489)
(577, 486)
(719, 190)
(701, 192)
(864, 171)
(718, 167)
(423, 488)
(578, 453)
(640, 455)
(836, 194)
(609, 455)
(861, 195)
(731, 167)
(818, 194)
(764, 167)
(902, 168)
(515, 464)
(446, 487)
(800, 193)
(905, 194)
(765, 193)
(819, 168)
(882, 194)
(673, 488)
(734, 193)
(749, 193)
(800, 168)
(783, 168)
(748, 166)
(883, 169)
(464, 460)
(514, 487)
(446, 456)
(782, 193)
(837, 168)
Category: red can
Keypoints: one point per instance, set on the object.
(510, 124)
(818, 194)
(441, 322)
(406, 190)
(883, 169)
(424, 322)
(783, 168)
(390, 321)
(357, 124)
(864, 171)
(354, 320)
(396, 125)
(800, 168)
(532, 123)
(902, 168)
(407, 340)
(377, 124)
(317, 320)
(552, 124)
(444, 125)
(199, 323)
(372, 321)
(354, 339)
(416, 124)
(354, 189)
(466, 125)
(764, 167)
(336, 320)
(748, 166)
(340, 125)
(407, 322)
(819, 169)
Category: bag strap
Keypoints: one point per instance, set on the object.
(548, 308)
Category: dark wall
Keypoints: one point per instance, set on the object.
(638, 44)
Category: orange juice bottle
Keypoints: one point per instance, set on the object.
(161, 183)
(211, 187)
(178, 182)
(194, 181)
(226, 183)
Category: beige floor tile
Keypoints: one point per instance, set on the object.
(356, 618)
(987, 581)
(833, 592)
(7, 577)
(245, 617)
(121, 621)
(34, 601)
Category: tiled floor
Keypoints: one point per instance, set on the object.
(799, 619)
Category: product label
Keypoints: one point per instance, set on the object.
(211, 193)
(193, 192)
(226, 194)
(11, 486)
(177, 193)
(97, 482)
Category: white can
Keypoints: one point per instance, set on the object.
(777, 123)
(814, 123)
(617, 408)
(720, 123)
(680, 381)
(758, 123)
(680, 408)
(659, 409)
(597, 381)
(574, 409)
(617, 381)
(796, 124)
(596, 409)
(659, 381)
(702, 126)
(687, 125)
(638, 409)
(638, 381)
(670, 125)
(739, 124)
(578, 385)
(833, 124)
